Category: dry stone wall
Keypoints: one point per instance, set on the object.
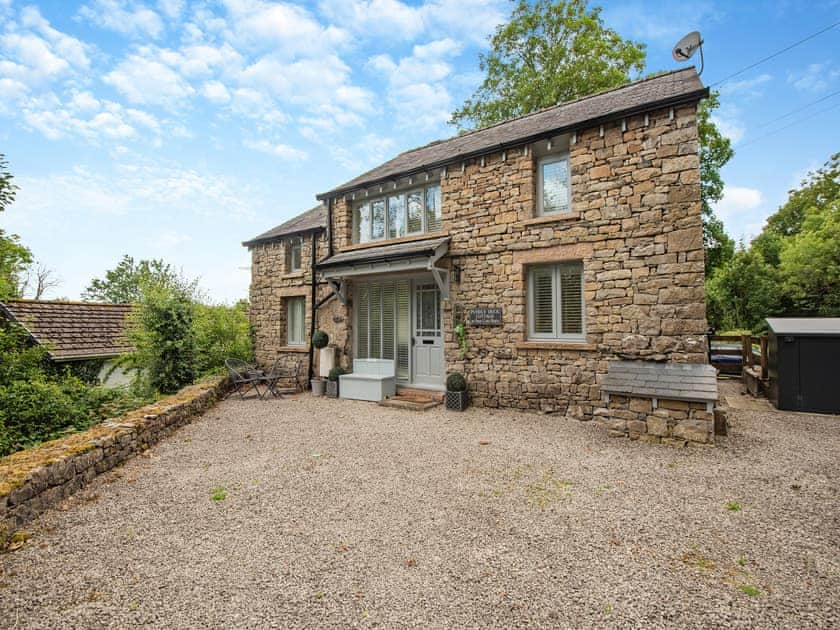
(675, 422)
(34, 480)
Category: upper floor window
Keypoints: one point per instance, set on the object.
(293, 246)
(399, 214)
(555, 301)
(553, 185)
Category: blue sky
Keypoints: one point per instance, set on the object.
(177, 129)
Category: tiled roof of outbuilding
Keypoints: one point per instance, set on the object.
(680, 86)
(313, 219)
(73, 330)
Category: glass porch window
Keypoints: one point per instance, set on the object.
(382, 322)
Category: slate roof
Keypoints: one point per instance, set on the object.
(73, 330)
(672, 88)
(804, 325)
(313, 219)
(674, 381)
(397, 251)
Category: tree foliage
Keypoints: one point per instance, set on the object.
(715, 152)
(14, 257)
(164, 339)
(548, 53)
(221, 332)
(793, 267)
(125, 283)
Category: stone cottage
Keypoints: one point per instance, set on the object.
(563, 240)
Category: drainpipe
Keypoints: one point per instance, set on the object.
(314, 305)
(329, 228)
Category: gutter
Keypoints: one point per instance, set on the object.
(682, 99)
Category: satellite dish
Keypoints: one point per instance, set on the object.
(687, 46)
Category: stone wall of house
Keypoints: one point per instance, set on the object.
(635, 225)
(271, 286)
(34, 480)
(671, 422)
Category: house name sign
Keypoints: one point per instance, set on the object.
(484, 316)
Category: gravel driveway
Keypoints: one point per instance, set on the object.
(344, 513)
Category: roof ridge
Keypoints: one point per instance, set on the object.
(550, 107)
(66, 302)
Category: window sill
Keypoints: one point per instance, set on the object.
(293, 349)
(552, 218)
(580, 346)
(394, 241)
(293, 274)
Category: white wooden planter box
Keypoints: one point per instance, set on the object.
(372, 379)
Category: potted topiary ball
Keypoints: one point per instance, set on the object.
(320, 339)
(332, 381)
(457, 396)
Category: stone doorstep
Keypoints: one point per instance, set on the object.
(410, 402)
(416, 392)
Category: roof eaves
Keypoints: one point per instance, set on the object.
(259, 240)
(680, 99)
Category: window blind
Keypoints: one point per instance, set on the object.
(555, 305)
(571, 299)
(543, 301)
(295, 313)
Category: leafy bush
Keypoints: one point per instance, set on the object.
(164, 340)
(336, 372)
(221, 332)
(456, 382)
(320, 339)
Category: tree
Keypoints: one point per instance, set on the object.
(743, 292)
(715, 152)
(164, 339)
(36, 280)
(14, 257)
(548, 53)
(125, 283)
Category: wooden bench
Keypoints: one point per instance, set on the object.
(372, 379)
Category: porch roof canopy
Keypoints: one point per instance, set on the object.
(417, 255)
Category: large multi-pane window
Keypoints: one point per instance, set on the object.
(295, 321)
(553, 187)
(555, 301)
(398, 214)
(383, 328)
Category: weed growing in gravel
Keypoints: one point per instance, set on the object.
(548, 490)
(749, 589)
(733, 506)
(697, 560)
(742, 561)
(219, 493)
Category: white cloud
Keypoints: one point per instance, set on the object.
(729, 127)
(737, 200)
(284, 29)
(283, 151)
(171, 8)
(377, 149)
(215, 92)
(417, 89)
(665, 23)
(747, 87)
(472, 20)
(128, 17)
(815, 78)
(142, 78)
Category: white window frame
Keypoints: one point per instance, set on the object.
(556, 294)
(295, 242)
(291, 339)
(424, 228)
(551, 159)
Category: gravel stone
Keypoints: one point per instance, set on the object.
(342, 513)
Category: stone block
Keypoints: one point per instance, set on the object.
(643, 405)
(657, 425)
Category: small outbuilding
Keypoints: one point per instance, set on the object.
(85, 336)
(803, 363)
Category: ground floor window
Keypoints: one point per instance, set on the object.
(295, 321)
(383, 325)
(555, 301)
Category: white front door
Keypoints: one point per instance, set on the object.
(427, 336)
